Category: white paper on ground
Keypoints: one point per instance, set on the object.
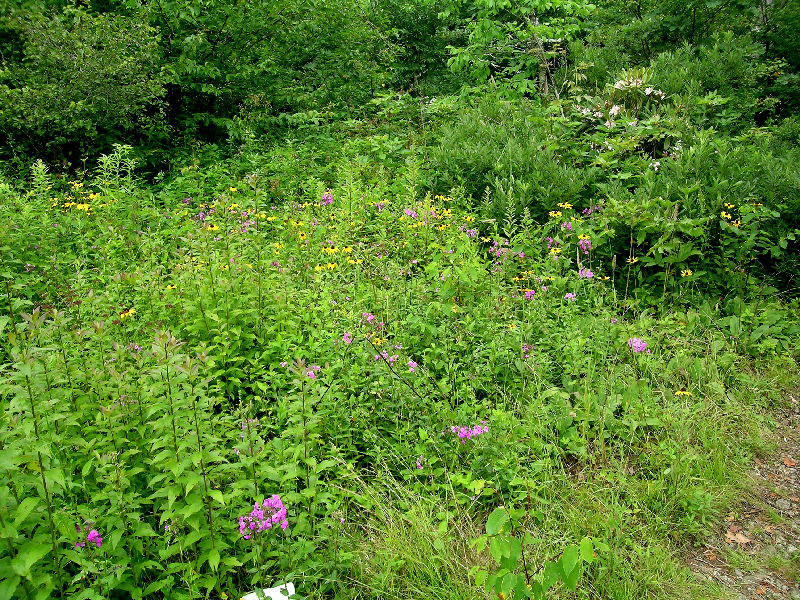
(281, 592)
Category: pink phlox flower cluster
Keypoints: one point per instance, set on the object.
(467, 433)
(570, 296)
(498, 250)
(385, 355)
(412, 366)
(585, 273)
(93, 537)
(347, 338)
(567, 225)
(410, 213)
(263, 516)
(526, 348)
(420, 458)
(584, 245)
(638, 345)
(327, 198)
(529, 294)
(551, 243)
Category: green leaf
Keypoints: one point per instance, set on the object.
(496, 520)
(587, 550)
(24, 509)
(30, 554)
(8, 586)
(569, 559)
(217, 495)
(571, 580)
(213, 559)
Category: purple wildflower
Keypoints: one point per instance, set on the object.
(94, 538)
(638, 345)
(570, 296)
(585, 273)
(467, 433)
(263, 516)
(412, 366)
(347, 338)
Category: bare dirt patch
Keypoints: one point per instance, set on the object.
(755, 552)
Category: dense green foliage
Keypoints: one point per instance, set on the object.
(497, 296)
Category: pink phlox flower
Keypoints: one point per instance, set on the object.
(94, 538)
(637, 345)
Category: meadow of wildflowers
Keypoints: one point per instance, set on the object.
(223, 386)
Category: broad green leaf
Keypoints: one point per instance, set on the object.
(496, 520)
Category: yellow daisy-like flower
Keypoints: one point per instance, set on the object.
(223, 267)
(127, 313)
(583, 236)
(736, 224)
(333, 265)
(555, 213)
(683, 393)
(319, 268)
(469, 218)
(212, 227)
(632, 260)
(347, 250)
(171, 287)
(555, 250)
(687, 273)
(725, 215)
(564, 205)
(729, 205)
(233, 189)
(271, 217)
(302, 235)
(278, 245)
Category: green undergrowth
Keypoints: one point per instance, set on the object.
(394, 367)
